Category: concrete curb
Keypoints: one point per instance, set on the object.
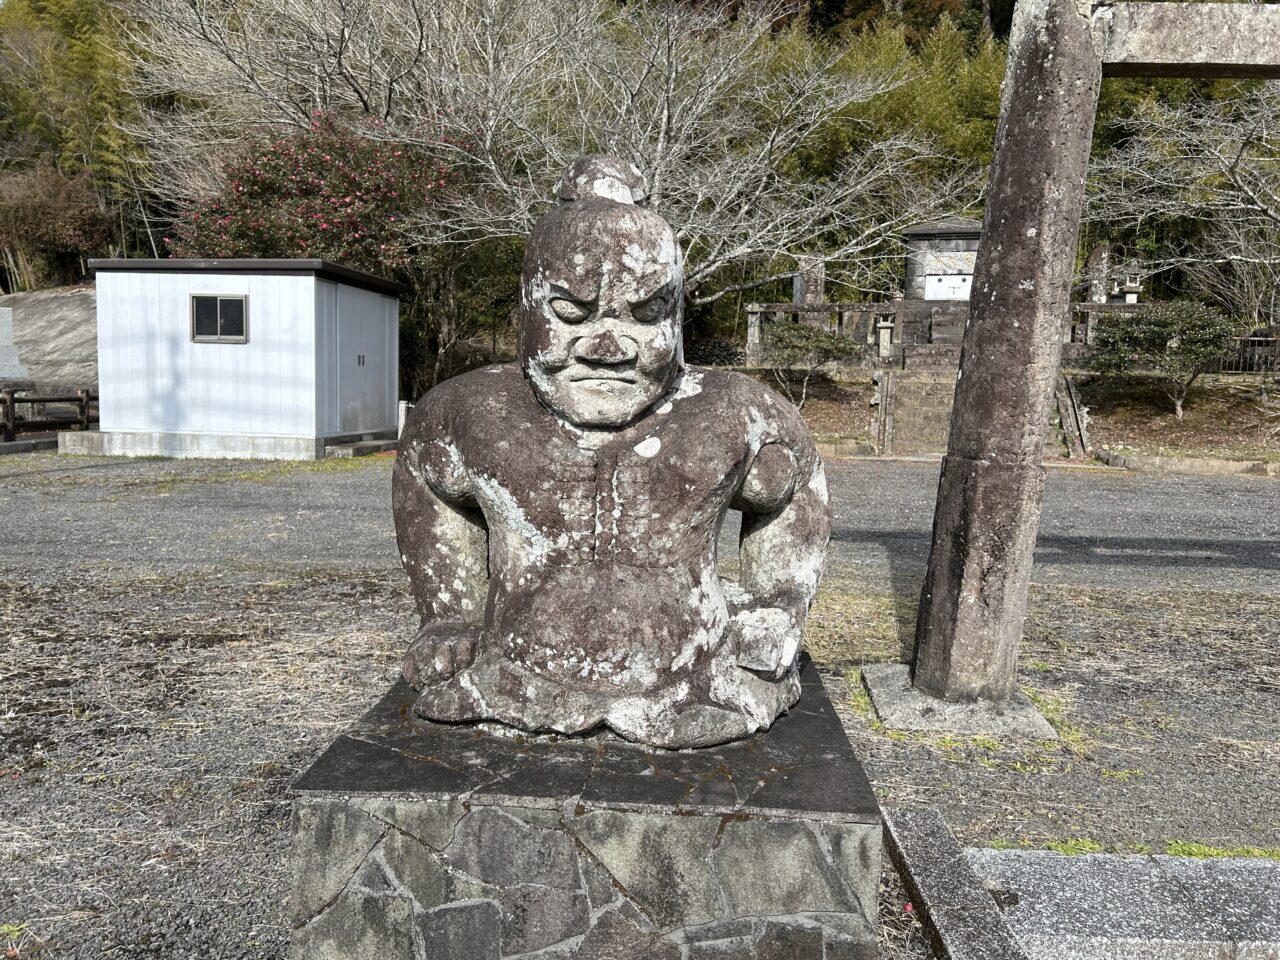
(1190, 466)
(959, 914)
(28, 446)
(1109, 907)
(844, 449)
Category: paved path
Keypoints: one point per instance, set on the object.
(1100, 528)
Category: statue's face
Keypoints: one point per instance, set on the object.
(600, 312)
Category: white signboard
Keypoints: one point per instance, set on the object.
(952, 287)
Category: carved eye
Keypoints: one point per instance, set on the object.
(651, 310)
(568, 311)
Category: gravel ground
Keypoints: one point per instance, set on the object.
(180, 639)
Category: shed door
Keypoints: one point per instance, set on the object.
(362, 362)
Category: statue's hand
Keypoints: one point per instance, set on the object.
(768, 640)
(439, 649)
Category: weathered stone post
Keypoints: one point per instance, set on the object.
(974, 599)
(755, 346)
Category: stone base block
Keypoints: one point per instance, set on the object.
(900, 706)
(421, 841)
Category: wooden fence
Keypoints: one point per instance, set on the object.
(10, 425)
(1252, 355)
(856, 320)
(880, 325)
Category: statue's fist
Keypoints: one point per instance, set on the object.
(438, 651)
(768, 640)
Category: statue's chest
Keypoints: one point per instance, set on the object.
(587, 506)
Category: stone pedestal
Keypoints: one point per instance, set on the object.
(425, 841)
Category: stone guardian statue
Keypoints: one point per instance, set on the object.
(559, 517)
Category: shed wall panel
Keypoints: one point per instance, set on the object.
(326, 358)
(153, 377)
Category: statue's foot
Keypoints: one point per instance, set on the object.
(438, 651)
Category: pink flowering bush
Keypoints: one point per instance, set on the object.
(350, 195)
(331, 193)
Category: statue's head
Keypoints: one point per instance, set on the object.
(601, 298)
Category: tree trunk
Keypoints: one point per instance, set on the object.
(1179, 394)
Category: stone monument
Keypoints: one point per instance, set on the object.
(531, 787)
(559, 517)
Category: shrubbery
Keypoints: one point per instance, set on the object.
(329, 193)
(796, 351)
(1176, 342)
(48, 222)
(352, 195)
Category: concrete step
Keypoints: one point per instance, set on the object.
(1063, 907)
(361, 448)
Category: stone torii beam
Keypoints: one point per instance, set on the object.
(974, 599)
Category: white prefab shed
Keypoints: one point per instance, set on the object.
(241, 358)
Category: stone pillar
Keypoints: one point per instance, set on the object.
(810, 284)
(974, 599)
(1097, 270)
(755, 348)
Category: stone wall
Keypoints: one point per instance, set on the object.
(52, 342)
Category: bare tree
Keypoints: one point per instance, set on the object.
(1207, 160)
(718, 105)
(1239, 267)
(1216, 164)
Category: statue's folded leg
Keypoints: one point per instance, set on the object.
(727, 704)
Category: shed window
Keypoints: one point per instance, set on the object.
(219, 319)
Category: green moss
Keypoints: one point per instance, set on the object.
(1074, 846)
(1189, 848)
(1054, 709)
(859, 699)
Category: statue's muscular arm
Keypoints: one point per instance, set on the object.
(444, 545)
(786, 522)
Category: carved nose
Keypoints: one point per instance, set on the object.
(604, 347)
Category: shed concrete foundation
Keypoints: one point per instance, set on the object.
(110, 443)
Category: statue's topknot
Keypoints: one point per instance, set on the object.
(601, 175)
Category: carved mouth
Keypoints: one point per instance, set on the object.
(594, 377)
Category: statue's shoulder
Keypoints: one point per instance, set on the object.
(477, 384)
(486, 393)
(711, 386)
(734, 385)
(740, 402)
(737, 391)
